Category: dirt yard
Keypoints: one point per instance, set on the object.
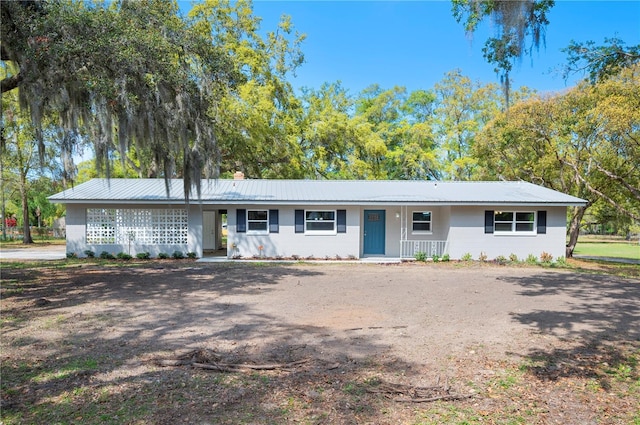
(172, 342)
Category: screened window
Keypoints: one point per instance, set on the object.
(421, 222)
(258, 221)
(141, 226)
(320, 221)
(510, 221)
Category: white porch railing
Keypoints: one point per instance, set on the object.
(409, 248)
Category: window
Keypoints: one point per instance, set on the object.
(421, 222)
(320, 222)
(512, 222)
(313, 222)
(257, 221)
(141, 226)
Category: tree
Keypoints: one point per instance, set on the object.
(404, 145)
(583, 142)
(519, 24)
(256, 123)
(19, 158)
(131, 73)
(600, 62)
(328, 134)
(462, 108)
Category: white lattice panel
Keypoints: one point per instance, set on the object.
(139, 226)
(101, 227)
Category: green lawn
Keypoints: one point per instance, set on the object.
(609, 249)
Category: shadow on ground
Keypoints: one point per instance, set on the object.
(92, 334)
(599, 324)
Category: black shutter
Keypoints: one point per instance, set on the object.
(241, 221)
(273, 221)
(488, 221)
(341, 220)
(299, 221)
(542, 222)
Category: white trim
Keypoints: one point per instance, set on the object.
(332, 232)
(514, 223)
(266, 221)
(422, 232)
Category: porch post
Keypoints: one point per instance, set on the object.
(403, 228)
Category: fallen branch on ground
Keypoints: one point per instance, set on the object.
(413, 394)
(209, 360)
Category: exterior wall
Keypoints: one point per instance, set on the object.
(440, 222)
(467, 235)
(462, 227)
(396, 216)
(287, 243)
(77, 227)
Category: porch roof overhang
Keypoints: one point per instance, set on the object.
(315, 192)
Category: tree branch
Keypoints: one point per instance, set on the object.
(613, 176)
(11, 83)
(4, 53)
(595, 191)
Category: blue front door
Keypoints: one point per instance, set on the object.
(374, 225)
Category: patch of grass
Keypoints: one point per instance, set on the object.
(10, 320)
(630, 250)
(603, 267)
(54, 322)
(12, 287)
(77, 406)
(64, 371)
(447, 413)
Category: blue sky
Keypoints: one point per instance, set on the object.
(414, 43)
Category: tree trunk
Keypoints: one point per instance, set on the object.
(26, 230)
(574, 229)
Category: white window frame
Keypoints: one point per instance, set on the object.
(264, 231)
(514, 223)
(334, 231)
(422, 232)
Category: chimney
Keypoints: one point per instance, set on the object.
(238, 175)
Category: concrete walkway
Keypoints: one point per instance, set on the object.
(48, 252)
(610, 259)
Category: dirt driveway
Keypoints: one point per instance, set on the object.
(409, 323)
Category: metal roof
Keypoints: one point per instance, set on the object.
(296, 192)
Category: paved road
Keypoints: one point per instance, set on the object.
(48, 252)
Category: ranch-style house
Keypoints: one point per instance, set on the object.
(243, 218)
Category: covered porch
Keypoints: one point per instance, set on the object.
(417, 233)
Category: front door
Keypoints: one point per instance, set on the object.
(374, 229)
(209, 230)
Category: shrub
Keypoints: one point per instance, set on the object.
(143, 255)
(546, 258)
(532, 259)
(192, 255)
(124, 256)
(561, 261)
(106, 255)
(435, 258)
(446, 257)
(163, 255)
(501, 259)
(466, 257)
(72, 255)
(421, 256)
(177, 255)
(513, 258)
(482, 257)
(89, 253)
